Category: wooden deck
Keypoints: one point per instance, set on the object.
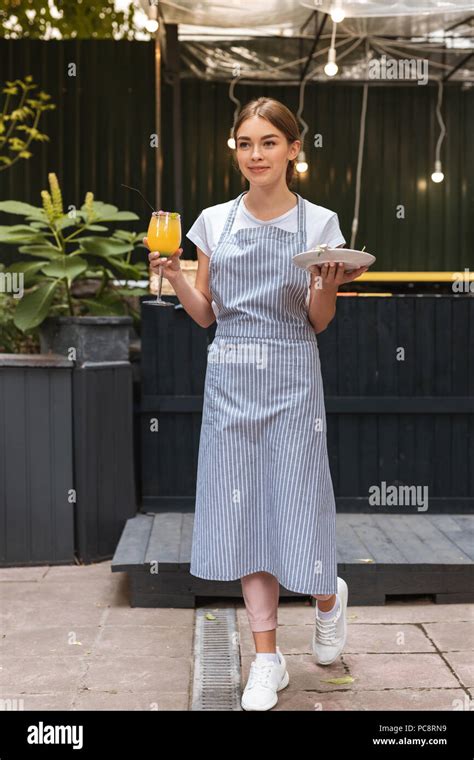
(378, 556)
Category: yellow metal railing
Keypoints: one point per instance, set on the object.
(416, 276)
(190, 267)
(463, 278)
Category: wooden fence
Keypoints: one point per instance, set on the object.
(398, 375)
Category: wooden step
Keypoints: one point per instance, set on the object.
(379, 556)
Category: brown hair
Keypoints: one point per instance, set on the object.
(277, 114)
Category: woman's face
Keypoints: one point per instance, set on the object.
(263, 151)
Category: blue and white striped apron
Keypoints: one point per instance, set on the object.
(264, 495)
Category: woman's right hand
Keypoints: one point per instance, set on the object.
(171, 268)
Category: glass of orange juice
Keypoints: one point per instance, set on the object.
(164, 236)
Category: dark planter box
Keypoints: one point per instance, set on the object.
(66, 458)
(103, 456)
(95, 339)
(36, 460)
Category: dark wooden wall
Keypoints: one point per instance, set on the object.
(407, 422)
(100, 137)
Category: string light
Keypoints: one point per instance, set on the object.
(301, 165)
(337, 13)
(151, 24)
(231, 140)
(438, 175)
(331, 68)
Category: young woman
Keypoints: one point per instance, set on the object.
(265, 509)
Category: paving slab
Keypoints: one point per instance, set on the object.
(69, 640)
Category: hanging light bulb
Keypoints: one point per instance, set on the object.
(301, 163)
(231, 141)
(151, 24)
(337, 14)
(331, 68)
(437, 175)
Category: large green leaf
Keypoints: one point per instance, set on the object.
(39, 218)
(22, 209)
(104, 246)
(65, 221)
(13, 229)
(104, 308)
(44, 250)
(19, 233)
(123, 291)
(100, 208)
(33, 308)
(122, 271)
(27, 267)
(140, 271)
(106, 212)
(38, 225)
(124, 235)
(120, 216)
(65, 267)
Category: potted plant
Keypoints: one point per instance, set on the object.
(69, 285)
(70, 272)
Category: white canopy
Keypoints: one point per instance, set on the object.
(270, 39)
(291, 14)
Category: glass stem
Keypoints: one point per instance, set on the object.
(160, 280)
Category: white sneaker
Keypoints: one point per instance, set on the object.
(265, 679)
(329, 636)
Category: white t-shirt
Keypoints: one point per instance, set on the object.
(322, 224)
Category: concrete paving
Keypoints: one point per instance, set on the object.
(70, 641)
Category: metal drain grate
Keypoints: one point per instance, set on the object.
(217, 681)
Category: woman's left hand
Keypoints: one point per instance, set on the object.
(332, 275)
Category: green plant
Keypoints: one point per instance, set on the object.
(13, 340)
(60, 264)
(67, 19)
(16, 134)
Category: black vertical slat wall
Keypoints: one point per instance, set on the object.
(100, 130)
(403, 420)
(174, 357)
(36, 462)
(100, 137)
(104, 466)
(400, 420)
(437, 229)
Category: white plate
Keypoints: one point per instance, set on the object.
(351, 258)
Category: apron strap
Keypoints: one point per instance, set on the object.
(230, 218)
(301, 222)
(301, 231)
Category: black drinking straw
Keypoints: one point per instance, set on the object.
(139, 193)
